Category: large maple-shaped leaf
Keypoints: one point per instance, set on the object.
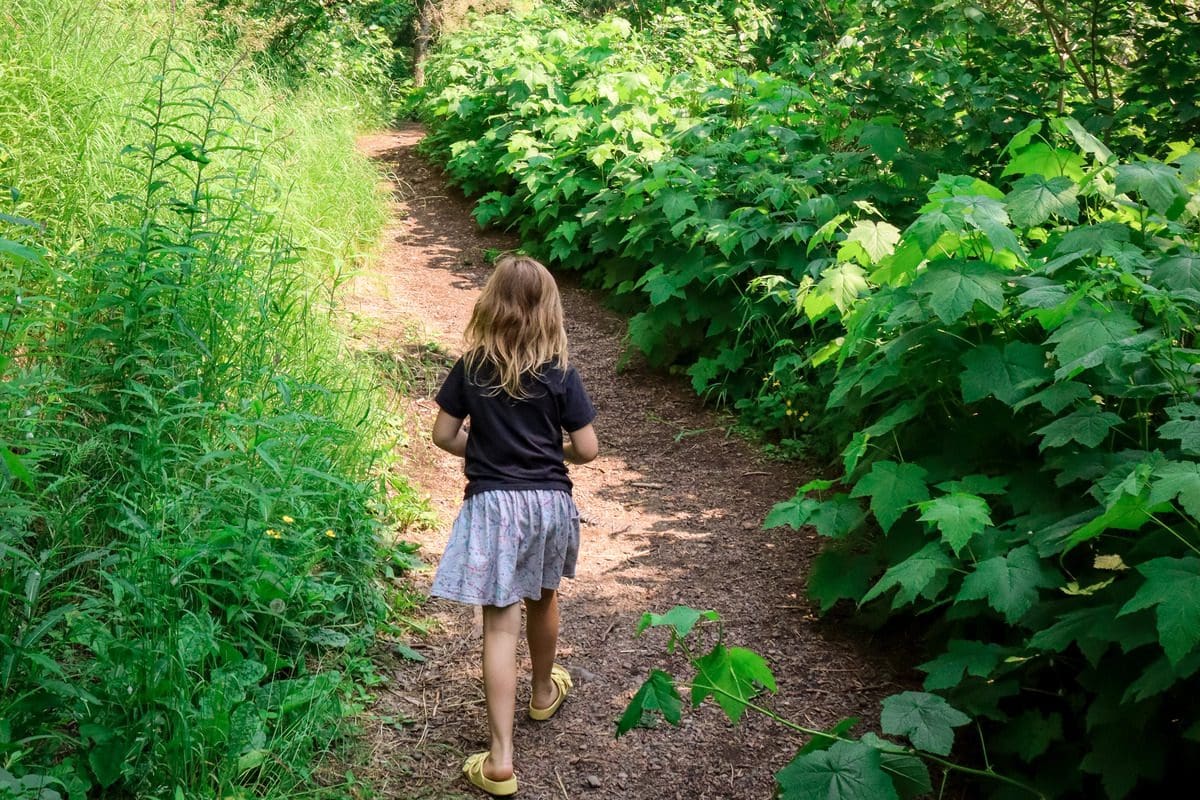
(1180, 481)
(657, 695)
(1178, 272)
(837, 516)
(732, 676)
(892, 488)
(926, 719)
(923, 574)
(962, 657)
(846, 771)
(959, 516)
(955, 286)
(1157, 184)
(1057, 396)
(1009, 583)
(839, 574)
(1084, 341)
(1172, 588)
(1040, 158)
(909, 774)
(1184, 425)
(1036, 198)
(878, 239)
(1089, 426)
(1005, 374)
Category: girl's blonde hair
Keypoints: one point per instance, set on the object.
(517, 325)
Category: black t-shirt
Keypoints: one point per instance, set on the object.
(516, 444)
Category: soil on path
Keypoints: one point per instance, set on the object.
(672, 511)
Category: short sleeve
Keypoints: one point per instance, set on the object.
(452, 397)
(576, 409)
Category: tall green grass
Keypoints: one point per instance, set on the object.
(189, 513)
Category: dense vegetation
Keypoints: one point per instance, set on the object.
(191, 518)
(956, 246)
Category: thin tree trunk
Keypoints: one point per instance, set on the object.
(426, 14)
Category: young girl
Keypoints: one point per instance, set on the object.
(517, 534)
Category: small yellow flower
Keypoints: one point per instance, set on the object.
(790, 412)
(330, 533)
(274, 534)
(287, 520)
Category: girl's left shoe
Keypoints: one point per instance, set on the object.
(562, 681)
(473, 769)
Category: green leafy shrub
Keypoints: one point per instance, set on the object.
(189, 509)
(991, 320)
(1024, 457)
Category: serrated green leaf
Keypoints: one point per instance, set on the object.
(955, 286)
(1184, 425)
(656, 696)
(681, 619)
(825, 740)
(840, 285)
(883, 139)
(838, 574)
(837, 516)
(1085, 340)
(927, 720)
(1057, 396)
(909, 774)
(1035, 199)
(846, 771)
(1089, 426)
(1177, 480)
(958, 516)
(922, 574)
(733, 677)
(793, 513)
(892, 488)
(1157, 184)
(677, 202)
(1040, 158)
(1179, 272)
(1006, 374)
(878, 239)
(1172, 588)
(962, 657)
(1009, 583)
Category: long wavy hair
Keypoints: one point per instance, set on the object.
(516, 328)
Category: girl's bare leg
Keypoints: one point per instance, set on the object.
(541, 629)
(501, 628)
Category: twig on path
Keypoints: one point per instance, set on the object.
(754, 472)
(647, 485)
(607, 631)
(561, 786)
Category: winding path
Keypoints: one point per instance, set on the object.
(671, 516)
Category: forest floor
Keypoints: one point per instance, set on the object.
(672, 513)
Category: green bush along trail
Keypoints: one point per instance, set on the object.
(190, 513)
(955, 258)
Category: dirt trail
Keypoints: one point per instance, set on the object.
(671, 516)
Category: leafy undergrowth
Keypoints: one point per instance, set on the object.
(993, 324)
(194, 544)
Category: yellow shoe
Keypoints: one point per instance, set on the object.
(473, 769)
(561, 679)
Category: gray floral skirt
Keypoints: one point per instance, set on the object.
(509, 545)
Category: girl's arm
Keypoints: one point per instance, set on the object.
(583, 446)
(449, 434)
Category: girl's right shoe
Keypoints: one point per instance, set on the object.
(562, 681)
(473, 769)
